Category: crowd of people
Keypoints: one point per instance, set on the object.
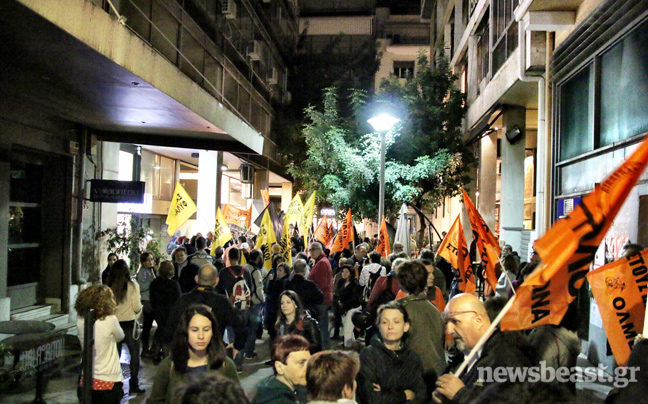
(404, 325)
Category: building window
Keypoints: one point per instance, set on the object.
(25, 218)
(624, 89)
(403, 69)
(504, 31)
(483, 50)
(158, 173)
(576, 115)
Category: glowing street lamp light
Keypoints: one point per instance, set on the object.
(382, 124)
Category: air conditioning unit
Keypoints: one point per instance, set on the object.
(255, 50)
(273, 76)
(228, 8)
(287, 98)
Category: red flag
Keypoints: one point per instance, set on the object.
(344, 235)
(487, 246)
(383, 239)
(620, 292)
(320, 232)
(454, 249)
(568, 248)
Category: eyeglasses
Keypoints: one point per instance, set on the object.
(449, 317)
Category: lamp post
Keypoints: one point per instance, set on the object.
(382, 124)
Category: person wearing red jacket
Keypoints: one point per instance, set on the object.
(322, 274)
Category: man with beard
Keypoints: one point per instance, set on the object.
(466, 321)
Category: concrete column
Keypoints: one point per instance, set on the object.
(286, 195)
(485, 202)
(261, 180)
(512, 189)
(208, 182)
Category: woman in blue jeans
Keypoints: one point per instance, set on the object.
(129, 308)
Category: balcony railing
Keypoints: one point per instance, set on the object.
(199, 46)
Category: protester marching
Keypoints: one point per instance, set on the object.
(431, 324)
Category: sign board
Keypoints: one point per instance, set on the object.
(43, 356)
(111, 191)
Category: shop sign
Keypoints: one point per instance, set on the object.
(111, 191)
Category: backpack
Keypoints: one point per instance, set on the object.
(255, 288)
(385, 296)
(366, 292)
(240, 296)
(200, 259)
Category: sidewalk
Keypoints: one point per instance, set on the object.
(61, 388)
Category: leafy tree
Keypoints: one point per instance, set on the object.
(426, 158)
(310, 73)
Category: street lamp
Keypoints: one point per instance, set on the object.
(382, 124)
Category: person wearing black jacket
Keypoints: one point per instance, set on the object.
(308, 291)
(349, 301)
(389, 372)
(466, 322)
(185, 271)
(292, 319)
(222, 309)
(164, 293)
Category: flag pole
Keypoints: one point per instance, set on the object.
(485, 337)
(645, 328)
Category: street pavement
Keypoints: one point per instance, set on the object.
(61, 386)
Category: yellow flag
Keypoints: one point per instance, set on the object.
(222, 233)
(307, 218)
(266, 237)
(286, 251)
(182, 207)
(295, 210)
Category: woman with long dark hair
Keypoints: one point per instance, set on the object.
(129, 308)
(292, 319)
(112, 258)
(274, 287)
(350, 301)
(196, 348)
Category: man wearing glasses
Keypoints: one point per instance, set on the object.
(466, 321)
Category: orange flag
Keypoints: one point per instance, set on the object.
(454, 249)
(344, 235)
(329, 233)
(620, 292)
(320, 232)
(233, 215)
(568, 248)
(265, 195)
(383, 240)
(487, 246)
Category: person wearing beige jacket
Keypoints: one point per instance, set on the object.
(129, 308)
